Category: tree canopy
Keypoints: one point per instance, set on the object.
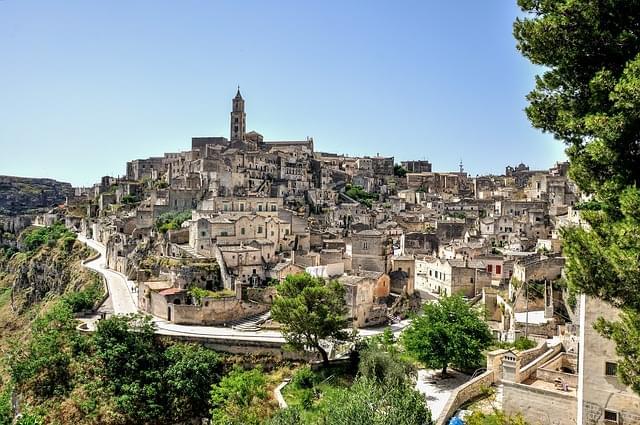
(310, 310)
(589, 97)
(449, 332)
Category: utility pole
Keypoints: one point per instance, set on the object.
(526, 317)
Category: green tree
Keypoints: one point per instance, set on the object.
(43, 365)
(132, 365)
(310, 310)
(191, 371)
(449, 332)
(399, 171)
(588, 96)
(172, 220)
(240, 398)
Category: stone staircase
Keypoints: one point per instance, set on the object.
(250, 324)
(393, 319)
(190, 251)
(227, 280)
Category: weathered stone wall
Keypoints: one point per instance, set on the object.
(215, 311)
(465, 393)
(261, 295)
(600, 391)
(525, 372)
(158, 305)
(539, 406)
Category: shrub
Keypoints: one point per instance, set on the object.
(85, 299)
(304, 378)
(172, 220)
(36, 237)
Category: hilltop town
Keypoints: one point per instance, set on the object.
(199, 239)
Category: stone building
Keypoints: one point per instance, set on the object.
(602, 398)
(365, 297)
(371, 251)
(420, 166)
(449, 277)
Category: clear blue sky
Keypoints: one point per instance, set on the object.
(87, 85)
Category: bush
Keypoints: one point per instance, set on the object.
(36, 237)
(522, 343)
(85, 299)
(383, 368)
(6, 414)
(172, 220)
(304, 378)
(240, 398)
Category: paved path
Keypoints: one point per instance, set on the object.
(437, 390)
(124, 301)
(120, 289)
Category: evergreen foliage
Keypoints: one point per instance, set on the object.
(310, 310)
(589, 97)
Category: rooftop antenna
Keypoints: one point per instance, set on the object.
(461, 166)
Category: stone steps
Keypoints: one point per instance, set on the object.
(250, 324)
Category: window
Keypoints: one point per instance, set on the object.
(203, 233)
(610, 368)
(273, 207)
(490, 268)
(259, 207)
(610, 416)
(498, 269)
(242, 231)
(241, 207)
(365, 245)
(259, 229)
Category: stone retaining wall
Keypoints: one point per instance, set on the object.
(465, 393)
(539, 406)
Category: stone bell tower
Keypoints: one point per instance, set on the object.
(238, 118)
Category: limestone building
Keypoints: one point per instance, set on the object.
(602, 398)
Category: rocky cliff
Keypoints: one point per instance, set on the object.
(51, 270)
(20, 195)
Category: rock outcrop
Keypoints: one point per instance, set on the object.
(20, 195)
(51, 270)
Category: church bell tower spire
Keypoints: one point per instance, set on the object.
(238, 118)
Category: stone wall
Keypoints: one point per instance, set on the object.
(215, 311)
(539, 406)
(261, 295)
(553, 369)
(525, 372)
(465, 393)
